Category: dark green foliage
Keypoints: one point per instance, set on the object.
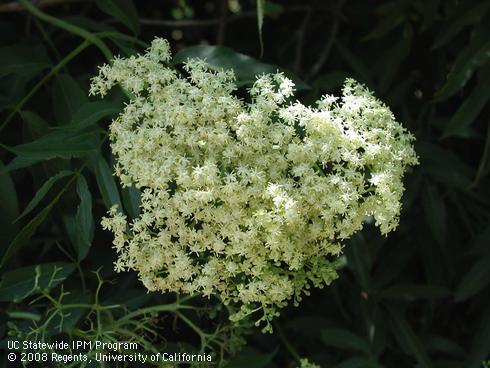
(419, 297)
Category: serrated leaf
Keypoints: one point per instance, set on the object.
(105, 181)
(462, 18)
(92, 112)
(35, 125)
(24, 235)
(41, 193)
(408, 340)
(84, 219)
(26, 281)
(23, 59)
(122, 10)
(386, 25)
(460, 123)
(444, 166)
(68, 97)
(245, 67)
(477, 279)
(344, 339)
(468, 60)
(58, 144)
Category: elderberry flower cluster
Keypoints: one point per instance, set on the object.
(248, 200)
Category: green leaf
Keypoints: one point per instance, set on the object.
(35, 125)
(408, 340)
(411, 292)
(245, 67)
(105, 181)
(460, 123)
(386, 25)
(26, 281)
(344, 339)
(392, 264)
(24, 235)
(444, 166)
(58, 144)
(435, 212)
(23, 59)
(68, 96)
(9, 208)
(84, 219)
(92, 112)
(391, 61)
(249, 357)
(462, 18)
(260, 23)
(477, 279)
(441, 344)
(357, 260)
(468, 60)
(484, 165)
(123, 10)
(131, 197)
(41, 193)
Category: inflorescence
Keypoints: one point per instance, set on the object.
(248, 201)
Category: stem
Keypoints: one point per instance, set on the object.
(154, 309)
(286, 343)
(48, 76)
(88, 36)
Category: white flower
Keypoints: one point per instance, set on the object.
(247, 201)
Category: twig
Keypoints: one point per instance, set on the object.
(331, 38)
